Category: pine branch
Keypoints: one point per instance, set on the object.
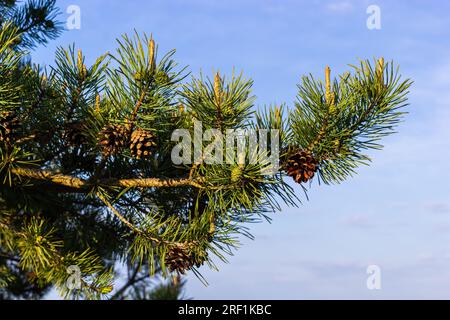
(337, 126)
(36, 21)
(155, 239)
(86, 185)
(93, 184)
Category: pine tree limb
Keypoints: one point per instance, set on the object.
(86, 185)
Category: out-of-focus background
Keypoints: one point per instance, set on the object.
(394, 214)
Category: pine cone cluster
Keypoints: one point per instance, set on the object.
(181, 259)
(8, 124)
(142, 143)
(114, 138)
(301, 166)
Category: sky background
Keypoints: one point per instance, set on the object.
(394, 214)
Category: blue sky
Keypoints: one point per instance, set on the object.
(394, 214)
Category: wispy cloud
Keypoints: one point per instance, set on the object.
(358, 221)
(438, 207)
(340, 6)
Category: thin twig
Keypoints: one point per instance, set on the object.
(149, 237)
(117, 213)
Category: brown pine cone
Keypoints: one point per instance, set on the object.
(142, 143)
(301, 166)
(113, 138)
